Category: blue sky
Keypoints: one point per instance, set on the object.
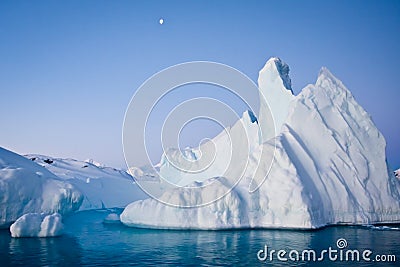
(69, 68)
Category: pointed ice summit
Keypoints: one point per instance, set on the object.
(328, 166)
(276, 88)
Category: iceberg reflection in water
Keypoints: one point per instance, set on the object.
(91, 242)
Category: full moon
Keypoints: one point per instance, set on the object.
(161, 21)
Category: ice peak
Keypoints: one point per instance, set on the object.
(324, 73)
(275, 97)
(275, 64)
(325, 76)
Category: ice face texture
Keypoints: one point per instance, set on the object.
(26, 187)
(37, 225)
(329, 167)
(101, 186)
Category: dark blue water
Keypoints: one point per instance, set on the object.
(90, 242)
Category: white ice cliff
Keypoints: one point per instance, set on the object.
(329, 167)
(101, 186)
(26, 187)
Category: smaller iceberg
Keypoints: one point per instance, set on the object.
(112, 218)
(37, 225)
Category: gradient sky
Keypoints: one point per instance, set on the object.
(69, 68)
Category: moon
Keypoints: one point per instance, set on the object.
(161, 21)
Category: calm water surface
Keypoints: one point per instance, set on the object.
(90, 242)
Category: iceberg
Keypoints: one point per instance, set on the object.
(26, 187)
(112, 218)
(101, 186)
(329, 167)
(37, 225)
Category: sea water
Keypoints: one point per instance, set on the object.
(88, 241)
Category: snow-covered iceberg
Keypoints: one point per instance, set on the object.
(37, 225)
(26, 187)
(102, 187)
(328, 167)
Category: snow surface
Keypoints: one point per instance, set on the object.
(26, 187)
(102, 187)
(329, 168)
(37, 225)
